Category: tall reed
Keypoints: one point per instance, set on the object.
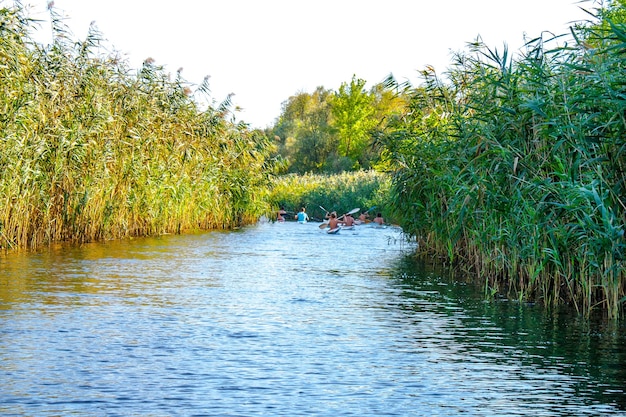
(516, 169)
(90, 149)
(338, 192)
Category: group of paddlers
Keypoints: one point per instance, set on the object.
(334, 221)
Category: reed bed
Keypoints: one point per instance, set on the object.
(90, 149)
(339, 192)
(515, 169)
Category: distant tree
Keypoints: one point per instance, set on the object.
(335, 131)
(391, 103)
(613, 11)
(353, 112)
(302, 133)
(609, 28)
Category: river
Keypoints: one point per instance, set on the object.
(286, 320)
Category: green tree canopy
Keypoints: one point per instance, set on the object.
(353, 113)
(302, 132)
(334, 131)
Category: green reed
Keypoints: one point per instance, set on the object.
(92, 150)
(516, 169)
(338, 192)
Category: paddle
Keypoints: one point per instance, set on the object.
(326, 211)
(323, 225)
(352, 211)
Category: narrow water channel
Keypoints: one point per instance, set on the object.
(285, 320)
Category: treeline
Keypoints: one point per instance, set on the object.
(514, 168)
(331, 132)
(90, 149)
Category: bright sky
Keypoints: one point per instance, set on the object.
(265, 51)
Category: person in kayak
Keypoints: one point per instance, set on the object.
(333, 222)
(302, 217)
(348, 220)
(279, 215)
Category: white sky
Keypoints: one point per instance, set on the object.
(265, 51)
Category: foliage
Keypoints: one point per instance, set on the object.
(340, 192)
(303, 131)
(352, 109)
(515, 169)
(599, 32)
(335, 131)
(89, 150)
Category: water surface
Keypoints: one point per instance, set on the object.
(284, 320)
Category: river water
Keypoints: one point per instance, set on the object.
(285, 320)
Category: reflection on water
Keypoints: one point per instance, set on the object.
(282, 319)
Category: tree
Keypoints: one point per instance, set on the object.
(303, 131)
(332, 132)
(391, 103)
(353, 111)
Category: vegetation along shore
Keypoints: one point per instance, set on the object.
(508, 167)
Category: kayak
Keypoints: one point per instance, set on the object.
(333, 231)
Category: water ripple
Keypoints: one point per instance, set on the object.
(284, 320)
